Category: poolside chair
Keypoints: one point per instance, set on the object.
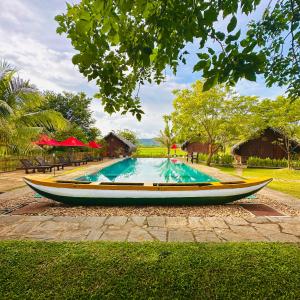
(93, 158)
(194, 156)
(77, 161)
(41, 162)
(67, 162)
(27, 165)
(98, 157)
(89, 158)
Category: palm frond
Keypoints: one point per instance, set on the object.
(21, 141)
(49, 119)
(5, 109)
(6, 69)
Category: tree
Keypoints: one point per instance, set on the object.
(283, 115)
(94, 133)
(76, 109)
(217, 117)
(129, 135)
(22, 117)
(122, 44)
(71, 130)
(277, 39)
(166, 136)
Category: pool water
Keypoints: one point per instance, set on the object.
(148, 169)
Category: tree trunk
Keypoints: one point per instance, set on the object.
(288, 153)
(210, 154)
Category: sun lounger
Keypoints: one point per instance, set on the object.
(42, 162)
(77, 162)
(27, 165)
(67, 162)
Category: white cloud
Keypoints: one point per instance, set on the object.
(17, 12)
(47, 68)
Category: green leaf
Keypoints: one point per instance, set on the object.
(115, 39)
(211, 51)
(83, 26)
(106, 26)
(210, 15)
(210, 82)
(250, 75)
(76, 59)
(232, 24)
(244, 43)
(199, 65)
(220, 35)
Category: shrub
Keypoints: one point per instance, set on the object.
(217, 159)
(222, 159)
(266, 162)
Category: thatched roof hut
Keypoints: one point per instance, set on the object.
(118, 146)
(265, 145)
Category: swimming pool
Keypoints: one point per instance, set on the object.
(148, 170)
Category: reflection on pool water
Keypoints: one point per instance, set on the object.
(148, 169)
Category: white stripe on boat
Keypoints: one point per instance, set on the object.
(99, 193)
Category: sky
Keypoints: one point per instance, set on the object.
(28, 40)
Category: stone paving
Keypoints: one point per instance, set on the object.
(154, 228)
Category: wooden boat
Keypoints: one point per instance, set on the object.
(117, 193)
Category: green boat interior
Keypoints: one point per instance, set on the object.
(122, 183)
(73, 181)
(182, 184)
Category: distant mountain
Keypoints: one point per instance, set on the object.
(148, 142)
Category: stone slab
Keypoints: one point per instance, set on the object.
(139, 235)
(156, 221)
(114, 235)
(180, 236)
(174, 222)
(206, 236)
(116, 220)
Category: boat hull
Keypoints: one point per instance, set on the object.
(78, 194)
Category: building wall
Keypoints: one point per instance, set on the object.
(197, 147)
(116, 147)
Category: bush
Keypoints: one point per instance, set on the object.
(222, 159)
(202, 157)
(266, 162)
(217, 159)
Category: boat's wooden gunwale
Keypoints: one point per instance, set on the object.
(94, 186)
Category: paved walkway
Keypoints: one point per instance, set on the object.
(13, 180)
(139, 228)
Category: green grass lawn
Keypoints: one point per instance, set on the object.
(44, 270)
(284, 180)
(156, 152)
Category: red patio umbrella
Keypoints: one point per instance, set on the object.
(72, 142)
(174, 146)
(45, 140)
(93, 144)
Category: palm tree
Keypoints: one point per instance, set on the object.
(166, 137)
(21, 119)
